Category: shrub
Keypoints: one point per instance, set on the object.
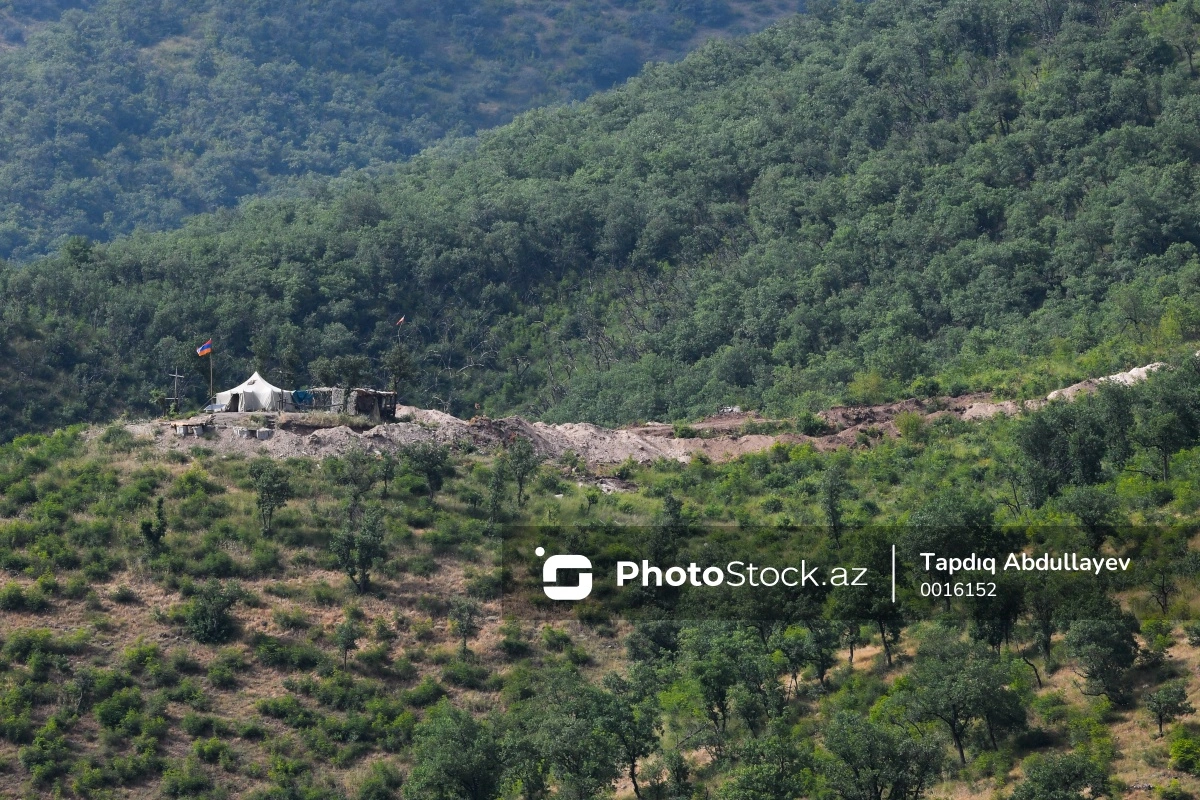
(221, 677)
(432, 605)
(194, 724)
(578, 656)
(185, 780)
(23, 643)
(374, 659)
(810, 424)
(290, 619)
(289, 710)
(1185, 753)
(1192, 632)
(423, 565)
(426, 693)
(465, 674)
(110, 712)
(191, 694)
(381, 783)
(194, 482)
(484, 586)
(282, 654)
(283, 590)
(222, 672)
(207, 615)
(181, 660)
(555, 640)
(250, 729)
(513, 647)
(123, 594)
(325, 595)
(1173, 791)
(214, 750)
(12, 597)
(75, 588)
(118, 439)
(911, 426)
(48, 756)
(422, 629)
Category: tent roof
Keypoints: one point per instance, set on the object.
(255, 383)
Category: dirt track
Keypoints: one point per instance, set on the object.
(720, 437)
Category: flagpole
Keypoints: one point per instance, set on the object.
(210, 377)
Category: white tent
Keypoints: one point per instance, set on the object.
(253, 395)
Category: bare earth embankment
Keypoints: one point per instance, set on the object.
(719, 437)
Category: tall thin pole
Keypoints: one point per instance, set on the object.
(175, 399)
(210, 373)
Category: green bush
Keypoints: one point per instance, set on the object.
(325, 595)
(1192, 632)
(282, 654)
(207, 616)
(289, 710)
(1173, 791)
(426, 693)
(23, 643)
(222, 677)
(118, 439)
(381, 783)
(75, 588)
(195, 725)
(554, 639)
(48, 757)
(291, 619)
(374, 659)
(191, 694)
(185, 780)
(465, 674)
(12, 597)
(16, 723)
(1185, 753)
(212, 751)
(111, 712)
(810, 424)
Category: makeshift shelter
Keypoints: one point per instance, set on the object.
(373, 403)
(254, 395)
(322, 398)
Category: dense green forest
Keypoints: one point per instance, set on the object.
(866, 201)
(191, 621)
(119, 114)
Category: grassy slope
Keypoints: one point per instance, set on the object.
(81, 498)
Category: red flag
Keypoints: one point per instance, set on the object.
(400, 321)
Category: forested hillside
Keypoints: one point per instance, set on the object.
(116, 114)
(867, 201)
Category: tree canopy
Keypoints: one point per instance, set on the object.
(118, 115)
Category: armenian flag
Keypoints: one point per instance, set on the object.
(204, 349)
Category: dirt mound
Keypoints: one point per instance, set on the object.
(1128, 378)
(722, 436)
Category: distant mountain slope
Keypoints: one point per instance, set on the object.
(123, 113)
(861, 203)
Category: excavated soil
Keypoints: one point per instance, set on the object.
(720, 437)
